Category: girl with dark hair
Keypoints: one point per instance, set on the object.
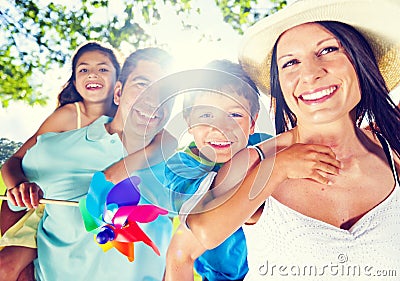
(69, 93)
(87, 95)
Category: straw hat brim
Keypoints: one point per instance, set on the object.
(377, 21)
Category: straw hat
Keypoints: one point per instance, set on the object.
(378, 21)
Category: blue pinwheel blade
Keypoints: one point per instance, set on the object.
(124, 193)
(97, 194)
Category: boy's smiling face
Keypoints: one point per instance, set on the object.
(220, 125)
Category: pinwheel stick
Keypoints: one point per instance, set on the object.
(51, 201)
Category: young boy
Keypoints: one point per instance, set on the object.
(220, 120)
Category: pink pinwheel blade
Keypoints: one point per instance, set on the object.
(146, 213)
(140, 213)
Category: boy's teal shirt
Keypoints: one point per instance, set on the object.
(185, 172)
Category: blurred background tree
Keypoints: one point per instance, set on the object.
(36, 35)
(7, 148)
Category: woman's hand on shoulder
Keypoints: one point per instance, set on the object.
(26, 194)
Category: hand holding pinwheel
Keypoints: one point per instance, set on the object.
(112, 213)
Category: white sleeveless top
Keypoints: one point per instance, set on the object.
(287, 245)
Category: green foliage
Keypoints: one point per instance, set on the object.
(14, 82)
(241, 14)
(36, 37)
(7, 148)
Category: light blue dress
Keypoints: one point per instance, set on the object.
(62, 164)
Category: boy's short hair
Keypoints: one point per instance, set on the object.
(237, 81)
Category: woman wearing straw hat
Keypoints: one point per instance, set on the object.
(328, 65)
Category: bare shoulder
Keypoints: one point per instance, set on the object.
(61, 120)
(67, 108)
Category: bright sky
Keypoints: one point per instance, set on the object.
(19, 121)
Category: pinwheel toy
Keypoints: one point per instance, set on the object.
(112, 212)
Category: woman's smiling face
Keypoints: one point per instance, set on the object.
(318, 80)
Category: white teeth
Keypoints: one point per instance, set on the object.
(320, 94)
(220, 143)
(93, 85)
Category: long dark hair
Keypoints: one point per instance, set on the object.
(375, 106)
(69, 94)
